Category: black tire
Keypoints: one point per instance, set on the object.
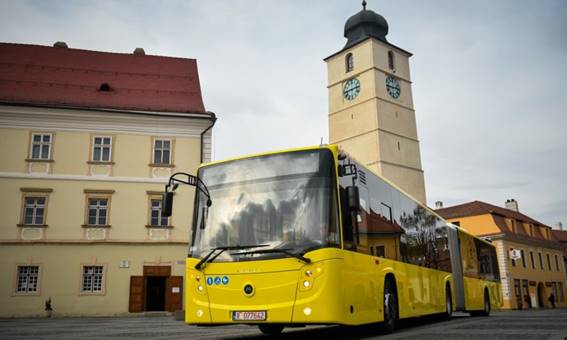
(271, 329)
(448, 304)
(390, 306)
(486, 308)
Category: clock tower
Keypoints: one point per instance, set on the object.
(371, 114)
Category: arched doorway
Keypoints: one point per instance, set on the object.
(541, 295)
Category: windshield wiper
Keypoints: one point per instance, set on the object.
(211, 256)
(282, 251)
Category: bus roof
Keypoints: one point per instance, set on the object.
(332, 147)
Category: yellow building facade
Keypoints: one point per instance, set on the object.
(529, 256)
(81, 231)
(371, 113)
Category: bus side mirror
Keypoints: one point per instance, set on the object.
(353, 198)
(167, 204)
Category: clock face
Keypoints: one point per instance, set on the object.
(393, 87)
(351, 89)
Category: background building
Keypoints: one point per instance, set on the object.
(371, 114)
(529, 255)
(561, 236)
(88, 140)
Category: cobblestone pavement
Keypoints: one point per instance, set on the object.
(534, 324)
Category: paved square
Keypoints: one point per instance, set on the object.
(532, 324)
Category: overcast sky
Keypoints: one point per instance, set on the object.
(490, 78)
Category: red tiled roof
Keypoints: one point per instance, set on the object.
(560, 235)
(480, 208)
(476, 208)
(54, 76)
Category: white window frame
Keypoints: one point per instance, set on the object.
(98, 208)
(93, 279)
(34, 206)
(101, 146)
(161, 149)
(26, 279)
(160, 218)
(42, 144)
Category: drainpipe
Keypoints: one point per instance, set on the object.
(213, 121)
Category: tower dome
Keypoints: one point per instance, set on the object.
(364, 24)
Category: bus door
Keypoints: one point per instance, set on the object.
(457, 266)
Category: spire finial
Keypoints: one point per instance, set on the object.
(364, 5)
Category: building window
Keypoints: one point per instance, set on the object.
(41, 146)
(92, 279)
(162, 151)
(156, 219)
(541, 261)
(532, 259)
(512, 261)
(561, 294)
(27, 280)
(523, 258)
(102, 149)
(349, 62)
(97, 211)
(517, 289)
(391, 64)
(34, 210)
(548, 262)
(557, 263)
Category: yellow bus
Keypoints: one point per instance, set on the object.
(310, 236)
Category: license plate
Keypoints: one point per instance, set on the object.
(249, 316)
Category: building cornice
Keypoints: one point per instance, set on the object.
(524, 240)
(99, 242)
(197, 115)
(101, 121)
(408, 54)
(69, 177)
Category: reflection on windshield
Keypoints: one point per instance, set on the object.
(287, 201)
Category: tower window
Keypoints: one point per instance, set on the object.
(349, 62)
(391, 64)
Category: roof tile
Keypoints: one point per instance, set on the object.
(44, 75)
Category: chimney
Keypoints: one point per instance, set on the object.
(559, 226)
(512, 204)
(438, 204)
(60, 44)
(139, 51)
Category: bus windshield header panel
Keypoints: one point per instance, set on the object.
(275, 202)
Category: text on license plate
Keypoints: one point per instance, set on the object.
(245, 316)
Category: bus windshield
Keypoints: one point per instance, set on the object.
(269, 203)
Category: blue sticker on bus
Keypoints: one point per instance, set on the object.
(209, 280)
(225, 280)
(217, 280)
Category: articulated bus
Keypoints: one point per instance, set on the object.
(310, 236)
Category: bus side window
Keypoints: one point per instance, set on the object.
(348, 235)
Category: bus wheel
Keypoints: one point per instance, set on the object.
(390, 306)
(486, 309)
(448, 303)
(271, 329)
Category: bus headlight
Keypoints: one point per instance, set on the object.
(200, 288)
(306, 284)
